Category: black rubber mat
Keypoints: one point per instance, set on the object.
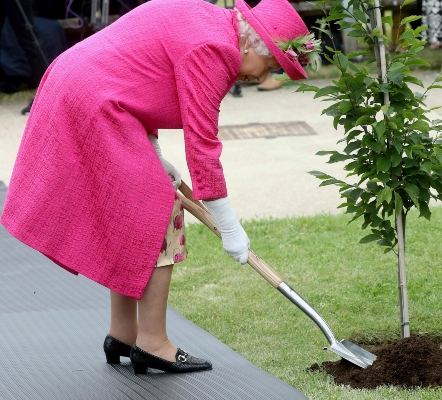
(52, 326)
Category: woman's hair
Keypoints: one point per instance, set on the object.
(246, 32)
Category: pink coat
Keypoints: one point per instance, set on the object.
(88, 189)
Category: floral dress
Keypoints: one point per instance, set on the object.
(174, 244)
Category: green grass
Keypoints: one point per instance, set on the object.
(352, 286)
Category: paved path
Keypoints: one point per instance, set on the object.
(265, 177)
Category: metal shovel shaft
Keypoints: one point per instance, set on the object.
(346, 349)
(299, 302)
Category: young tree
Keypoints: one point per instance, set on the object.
(393, 152)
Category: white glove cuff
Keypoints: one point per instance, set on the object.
(210, 204)
(154, 140)
(223, 214)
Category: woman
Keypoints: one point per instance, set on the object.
(90, 188)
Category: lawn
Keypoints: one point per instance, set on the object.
(353, 286)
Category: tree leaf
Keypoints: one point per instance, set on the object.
(396, 75)
(387, 110)
(387, 20)
(436, 184)
(395, 158)
(384, 195)
(412, 79)
(332, 181)
(370, 238)
(360, 15)
(364, 120)
(438, 153)
(407, 2)
(325, 91)
(332, 111)
(337, 157)
(383, 177)
(413, 192)
(420, 125)
(342, 61)
(345, 106)
(362, 52)
(406, 35)
(417, 47)
(375, 220)
(326, 31)
(426, 167)
(355, 194)
(320, 175)
(373, 144)
(424, 183)
(383, 164)
(352, 146)
(396, 65)
(325, 152)
(356, 33)
(303, 87)
(411, 18)
(392, 125)
(424, 210)
(334, 17)
(354, 209)
(380, 129)
(418, 61)
(419, 29)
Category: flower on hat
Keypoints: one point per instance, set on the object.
(305, 49)
(291, 54)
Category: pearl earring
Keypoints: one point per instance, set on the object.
(246, 51)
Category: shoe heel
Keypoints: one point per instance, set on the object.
(114, 349)
(140, 369)
(112, 358)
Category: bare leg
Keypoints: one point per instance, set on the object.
(152, 335)
(124, 325)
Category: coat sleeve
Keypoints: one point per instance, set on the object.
(204, 76)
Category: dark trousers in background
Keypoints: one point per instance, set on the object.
(23, 30)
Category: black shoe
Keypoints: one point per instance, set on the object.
(142, 360)
(27, 109)
(114, 349)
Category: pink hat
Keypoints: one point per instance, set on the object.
(277, 21)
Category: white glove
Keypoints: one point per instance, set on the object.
(170, 169)
(236, 243)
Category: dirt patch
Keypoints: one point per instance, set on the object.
(411, 362)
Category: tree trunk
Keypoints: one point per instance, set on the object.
(400, 219)
(402, 279)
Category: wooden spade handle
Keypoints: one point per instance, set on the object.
(197, 209)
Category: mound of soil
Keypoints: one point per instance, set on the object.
(408, 363)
